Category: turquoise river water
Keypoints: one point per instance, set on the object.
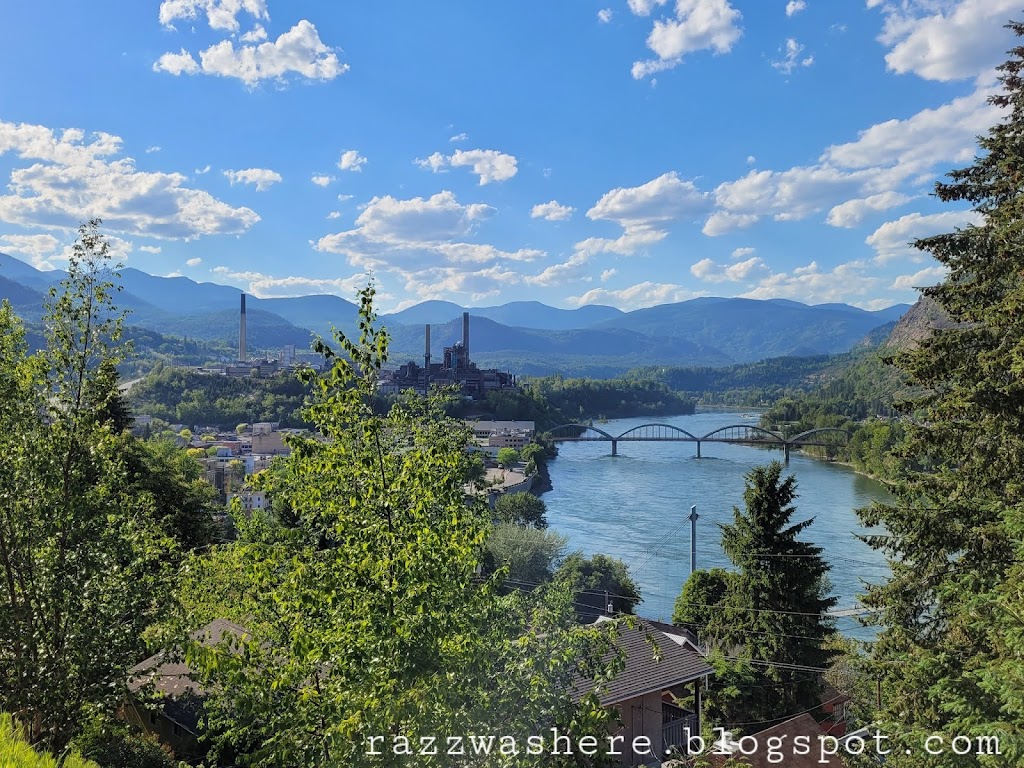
(635, 506)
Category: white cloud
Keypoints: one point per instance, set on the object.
(709, 271)
(322, 180)
(574, 268)
(342, 198)
(644, 7)
(739, 253)
(698, 25)
(263, 178)
(298, 51)
(221, 14)
(174, 274)
(351, 160)
(201, 171)
(176, 63)
(150, 249)
(151, 150)
(458, 137)
(946, 39)
(751, 159)
(73, 180)
(849, 282)
(608, 274)
(794, 7)
(489, 164)
(721, 222)
(792, 57)
(893, 239)
(38, 248)
(334, 215)
(255, 35)
(644, 211)
(922, 279)
(436, 162)
(646, 294)
(852, 212)
(552, 211)
(604, 15)
(266, 286)
(194, 262)
(425, 242)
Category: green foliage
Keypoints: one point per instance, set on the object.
(948, 658)
(82, 557)
(772, 609)
(182, 396)
(508, 456)
(529, 556)
(16, 753)
(111, 744)
(597, 582)
(521, 509)
(696, 605)
(366, 614)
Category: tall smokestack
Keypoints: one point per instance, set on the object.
(426, 348)
(465, 337)
(241, 333)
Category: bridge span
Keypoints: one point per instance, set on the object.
(741, 434)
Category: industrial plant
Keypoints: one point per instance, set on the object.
(456, 368)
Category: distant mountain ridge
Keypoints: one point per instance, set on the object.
(522, 336)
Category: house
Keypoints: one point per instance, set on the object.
(658, 691)
(175, 720)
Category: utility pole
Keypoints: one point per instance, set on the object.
(693, 538)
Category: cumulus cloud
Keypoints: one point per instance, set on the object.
(351, 160)
(895, 238)
(604, 15)
(849, 282)
(334, 215)
(435, 162)
(552, 211)
(698, 25)
(739, 253)
(608, 274)
(151, 150)
(794, 7)
(299, 51)
(220, 14)
(572, 269)
(267, 286)
(150, 249)
(646, 294)
(792, 57)
(644, 211)
(458, 137)
(489, 164)
(254, 35)
(709, 271)
(946, 40)
(72, 179)
(263, 178)
(924, 278)
(322, 180)
(38, 248)
(852, 212)
(644, 7)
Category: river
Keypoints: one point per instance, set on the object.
(635, 506)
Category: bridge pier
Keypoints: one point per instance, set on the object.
(785, 447)
(615, 447)
(698, 449)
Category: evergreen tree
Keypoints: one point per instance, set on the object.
(769, 628)
(949, 658)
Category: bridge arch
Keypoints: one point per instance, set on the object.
(801, 439)
(722, 433)
(583, 429)
(658, 426)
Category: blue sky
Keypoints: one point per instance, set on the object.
(624, 152)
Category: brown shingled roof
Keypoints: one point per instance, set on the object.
(801, 725)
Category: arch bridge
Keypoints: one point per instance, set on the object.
(740, 434)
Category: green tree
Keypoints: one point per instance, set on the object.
(597, 582)
(529, 556)
(507, 457)
(521, 508)
(948, 658)
(186, 435)
(772, 618)
(81, 554)
(366, 614)
(242, 428)
(696, 606)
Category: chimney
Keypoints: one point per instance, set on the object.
(465, 338)
(426, 356)
(241, 334)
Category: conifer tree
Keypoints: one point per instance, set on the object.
(949, 659)
(769, 629)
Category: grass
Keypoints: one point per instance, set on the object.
(16, 753)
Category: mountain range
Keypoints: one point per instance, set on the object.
(523, 336)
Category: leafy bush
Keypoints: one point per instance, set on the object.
(16, 753)
(113, 745)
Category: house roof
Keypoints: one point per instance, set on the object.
(801, 725)
(657, 656)
(172, 677)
